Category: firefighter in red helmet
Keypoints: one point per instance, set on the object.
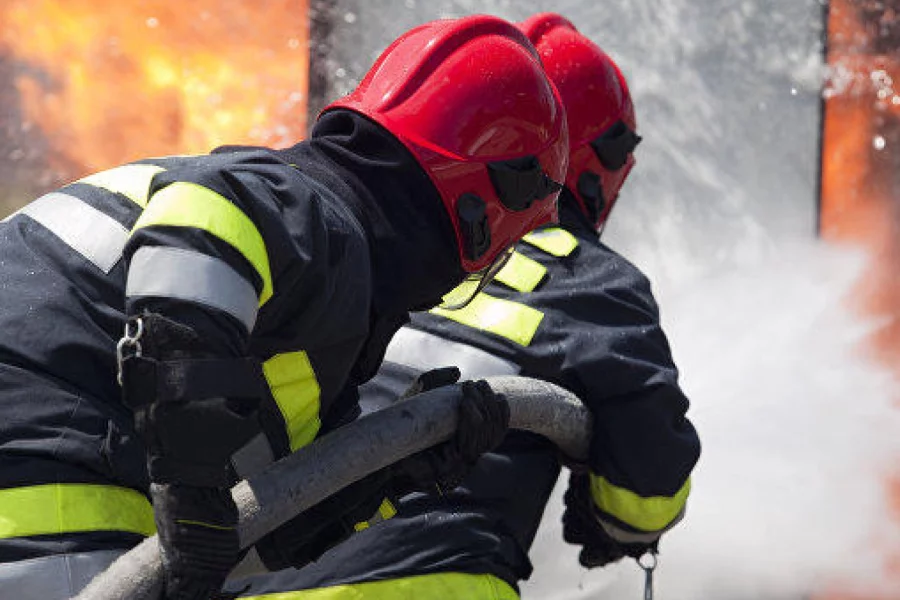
(256, 289)
(565, 309)
(598, 107)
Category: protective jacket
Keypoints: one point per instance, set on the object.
(566, 309)
(287, 257)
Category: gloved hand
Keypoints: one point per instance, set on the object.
(582, 528)
(197, 528)
(176, 384)
(307, 536)
(483, 421)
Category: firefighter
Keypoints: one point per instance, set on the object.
(565, 309)
(256, 288)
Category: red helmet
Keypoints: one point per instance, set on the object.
(470, 100)
(599, 110)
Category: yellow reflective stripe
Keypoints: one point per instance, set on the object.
(552, 240)
(514, 321)
(386, 510)
(435, 586)
(296, 391)
(521, 273)
(72, 507)
(647, 514)
(132, 181)
(184, 204)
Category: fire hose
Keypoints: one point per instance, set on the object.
(334, 461)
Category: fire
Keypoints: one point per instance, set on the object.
(107, 82)
(862, 154)
(861, 162)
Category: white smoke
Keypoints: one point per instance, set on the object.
(798, 432)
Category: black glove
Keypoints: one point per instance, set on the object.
(582, 528)
(310, 534)
(482, 425)
(198, 536)
(176, 386)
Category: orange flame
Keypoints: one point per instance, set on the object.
(860, 182)
(107, 82)
(861, 160)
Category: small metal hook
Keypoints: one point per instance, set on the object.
(648, 565)
(128, 341)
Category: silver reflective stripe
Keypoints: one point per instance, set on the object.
(253, 457)
(187, 275)
(422, 351)
(634, 537)
(56, 577)
(97, 237)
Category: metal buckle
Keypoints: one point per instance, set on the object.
(129, 343)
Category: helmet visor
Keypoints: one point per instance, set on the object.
(460, 296)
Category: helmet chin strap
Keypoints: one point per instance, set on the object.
(463, 294)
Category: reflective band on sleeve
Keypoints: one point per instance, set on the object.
(422, 351)
(184, 204)
(132, 181)
(163, 272)
(630, 537)
(296, 391)
(647, 514)
(553, 240)
(521, 273)
(514, 321)
(97, 237)
(67, 508)
(434, 586)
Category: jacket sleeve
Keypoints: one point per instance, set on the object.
(210, 244)
(618, 361)
(226, 241)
